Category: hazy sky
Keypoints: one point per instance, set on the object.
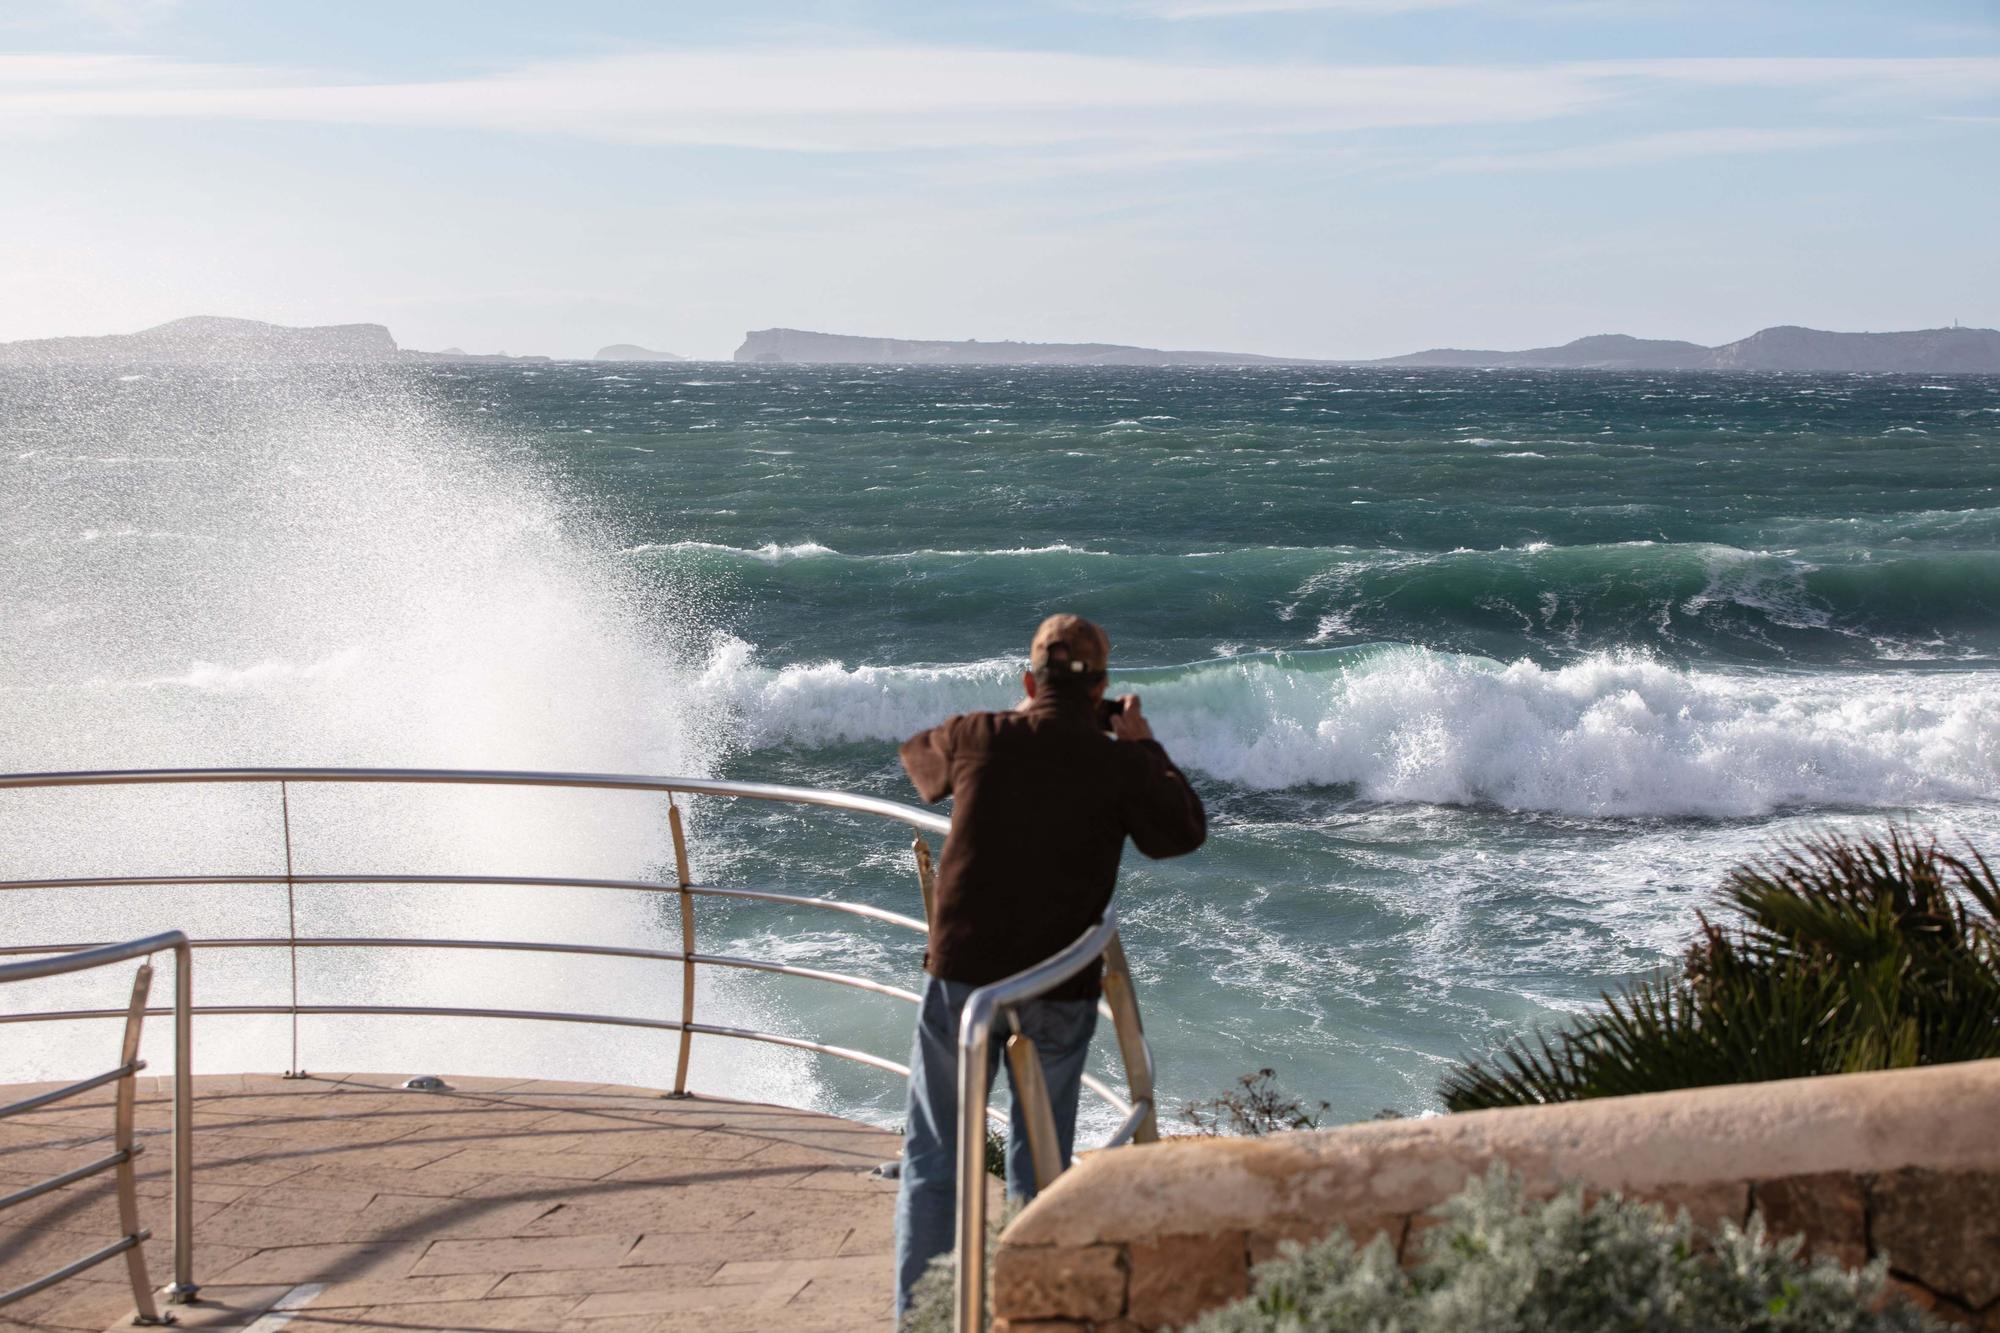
(1313, 177)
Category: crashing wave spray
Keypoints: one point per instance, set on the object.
(232, 568)
(1613, 734)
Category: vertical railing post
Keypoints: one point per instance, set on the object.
(183, 1290)
(687, 947)
(1133, 1051)
(926, 876)
(291, 924)
(128, 1197)
(1031, 1094)
(974, 1035)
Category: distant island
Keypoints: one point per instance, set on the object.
(1784, 348)
(633, 352)
(203, 339)
(799, 347)
(207, 339)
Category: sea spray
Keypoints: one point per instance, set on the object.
(331, 568)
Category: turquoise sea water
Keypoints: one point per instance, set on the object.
(1486, 677)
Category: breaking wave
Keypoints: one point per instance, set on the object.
(1616, 735)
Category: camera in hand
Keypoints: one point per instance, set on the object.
(1108, 709)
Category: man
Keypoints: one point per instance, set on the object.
(1045, 800)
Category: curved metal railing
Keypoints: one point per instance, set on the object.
(124, 1149)
(1119, 1003)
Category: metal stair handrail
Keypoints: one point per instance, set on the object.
(133, 1236)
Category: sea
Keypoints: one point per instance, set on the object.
(1487, 679)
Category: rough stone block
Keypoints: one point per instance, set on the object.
(1708, 1204)
(1828, 1208)
(1269, 1244)
(1175, 1278)
(1941, 1228)
(1058, 1282)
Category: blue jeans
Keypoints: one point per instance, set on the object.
(927, 1206)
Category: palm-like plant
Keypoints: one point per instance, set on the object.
(1851, 954)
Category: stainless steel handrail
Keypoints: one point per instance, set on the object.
(1119, 1004)
(754, 791)
(134, 1236)
(975, 1033)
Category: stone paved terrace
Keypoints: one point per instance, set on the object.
(344, 1202)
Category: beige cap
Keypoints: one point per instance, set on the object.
(1069, 643)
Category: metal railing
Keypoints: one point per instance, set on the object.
(983, 1009)
(124, 1149)
(1119, 1004)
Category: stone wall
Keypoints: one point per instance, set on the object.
(1905, 1163)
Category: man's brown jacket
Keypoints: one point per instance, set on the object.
(1044, 803)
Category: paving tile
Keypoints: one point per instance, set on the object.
(458, 1218)
(723, 1246)
(755, 1321)
(334, 1262)
(302, 1195)
(560, 1165)
(680, 1300)
(694, 1171)
(638, 1210)
(355, 1175)
(255, 1226)
(408, 1291)
(583, 1281)
(511, 1256)
(866, 1267)
(534, 1312)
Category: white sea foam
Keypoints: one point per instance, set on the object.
(1612, 735)
(806, 550)
(769, 551)
(363, 584)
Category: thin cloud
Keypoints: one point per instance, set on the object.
(918, 98)
(1214, 9)
(1666, 147)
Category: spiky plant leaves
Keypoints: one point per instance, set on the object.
(1847, 955)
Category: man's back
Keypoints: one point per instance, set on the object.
(1044, 802)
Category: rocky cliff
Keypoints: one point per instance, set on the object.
(210, 338)
(1921, 351)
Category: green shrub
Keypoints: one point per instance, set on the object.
(1877, 953)
(1497, 1263)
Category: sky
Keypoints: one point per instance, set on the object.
(1326, 178)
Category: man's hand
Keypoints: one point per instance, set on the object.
(1129, 724)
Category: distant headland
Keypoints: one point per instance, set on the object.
(214, 339)
(1784, 348)
(205, 339)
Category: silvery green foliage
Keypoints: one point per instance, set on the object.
(933, 1299)
(1498, 1263)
